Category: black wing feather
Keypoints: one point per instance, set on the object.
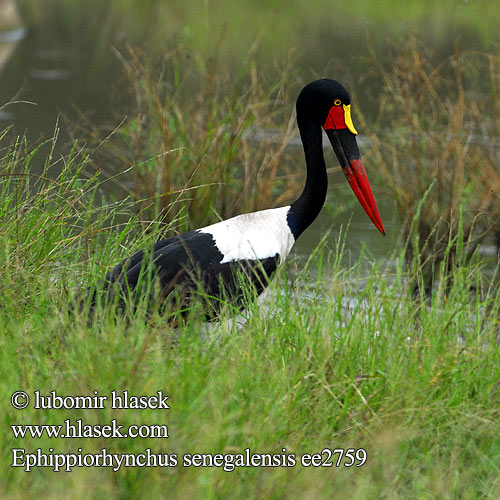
(181, 267)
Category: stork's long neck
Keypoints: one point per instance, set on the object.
(306, 208)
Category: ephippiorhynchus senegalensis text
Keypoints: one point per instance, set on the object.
(212, 260)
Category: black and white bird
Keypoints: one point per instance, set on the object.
(212, 261)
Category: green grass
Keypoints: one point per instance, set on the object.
(333, 358)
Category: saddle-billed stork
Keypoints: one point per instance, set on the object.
(211, 261)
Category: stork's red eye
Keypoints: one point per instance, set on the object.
(337, 102)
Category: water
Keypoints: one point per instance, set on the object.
(56, 70)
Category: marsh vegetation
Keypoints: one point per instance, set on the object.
(396, 355)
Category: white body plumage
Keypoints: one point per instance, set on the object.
(253, 236)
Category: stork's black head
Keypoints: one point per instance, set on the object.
(326, 103)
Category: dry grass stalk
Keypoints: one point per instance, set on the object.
(444, 124)
(192, 138)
